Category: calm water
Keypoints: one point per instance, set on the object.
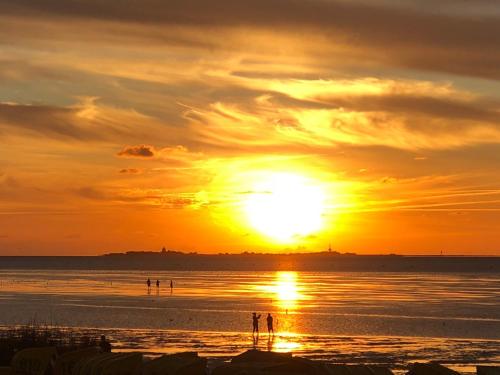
(392, 318)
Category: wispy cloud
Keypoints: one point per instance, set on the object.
(387, 123)
(386, 34)
(85, 121)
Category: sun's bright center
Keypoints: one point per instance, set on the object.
(285, 206)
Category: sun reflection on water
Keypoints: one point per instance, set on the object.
(286, 291)
(284, 342)
(286, 294)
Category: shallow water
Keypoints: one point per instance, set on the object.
(390, 318)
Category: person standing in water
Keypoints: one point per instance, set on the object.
(171, 286)
(269, 324)
(148, 283)
(255, 322)
(158, 284)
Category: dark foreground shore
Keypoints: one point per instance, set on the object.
(39, 350)
(95, 361)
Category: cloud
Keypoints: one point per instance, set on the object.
(159, 198)
(174, 156)
(450, 193)
(49, 120)
(141, 151)
(91, 193)
(411, 36)
(404, 97)
(130, 171)
(20, 70)
(264, 126)
(85, 121)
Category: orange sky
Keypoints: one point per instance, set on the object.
(270, 125)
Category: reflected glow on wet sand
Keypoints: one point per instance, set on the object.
(343, 317)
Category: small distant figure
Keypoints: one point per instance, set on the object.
(270, 324)
(255, 322)
(105, 345)
(171, 286)
(148, 283)
(158, 284)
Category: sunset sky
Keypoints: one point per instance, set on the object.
(264, 125)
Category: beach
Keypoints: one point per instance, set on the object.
(358, 317)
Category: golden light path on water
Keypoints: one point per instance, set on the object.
(286, 295)
(286, 291)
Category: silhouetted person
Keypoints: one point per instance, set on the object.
(105, 345)
(270, 324)
(255, 322)
(148, 283)
(171, 286)
(158, 283)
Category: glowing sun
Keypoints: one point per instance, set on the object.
(285, 206)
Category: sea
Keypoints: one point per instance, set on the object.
(385, 318)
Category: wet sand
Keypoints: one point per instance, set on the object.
(374, 318)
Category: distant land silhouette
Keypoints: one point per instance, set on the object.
(317, 261)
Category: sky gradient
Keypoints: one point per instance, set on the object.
(132, 125)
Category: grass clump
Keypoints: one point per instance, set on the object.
(33, 335)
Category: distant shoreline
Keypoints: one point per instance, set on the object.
(321, 261)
